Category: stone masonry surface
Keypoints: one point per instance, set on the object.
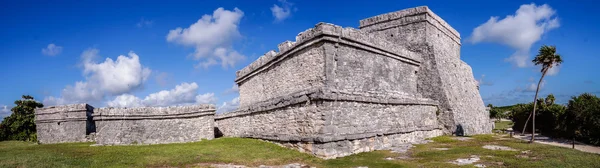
(332, 92)
(337, 91)
(442, 75)
(60, 124)
(154, 125)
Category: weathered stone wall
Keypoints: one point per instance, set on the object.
(154, 125)
(61, 124)
(341, 148)
(442, 75)
(303, 69)
(316, 120)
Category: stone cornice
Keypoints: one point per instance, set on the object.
(410, 16)
(138, 113)
(318, 94)
(324, 32)
(333, 138)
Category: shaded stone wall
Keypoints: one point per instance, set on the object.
(442, 75)
(61, 124)
(154, 125)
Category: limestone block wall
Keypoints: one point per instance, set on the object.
(61, 124)
(366, 89)
(442, 75)
(154, 125)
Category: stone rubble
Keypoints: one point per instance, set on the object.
(497, 147)
(468, 161)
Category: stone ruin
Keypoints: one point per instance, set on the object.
(60, 124)
(333, 92)
(154, 125)
(338, 91)
(122, 126)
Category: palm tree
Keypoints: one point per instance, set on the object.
(550, 99)
(547, 57)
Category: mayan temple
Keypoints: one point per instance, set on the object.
(332, 92)
(338, 91)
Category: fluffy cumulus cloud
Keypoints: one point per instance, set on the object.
(519, 31)
(229, 106)
(108, 78)
(281, 12)
(183, 94)
(52, 50)
(212, 36)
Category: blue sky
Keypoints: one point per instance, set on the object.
(185, 52)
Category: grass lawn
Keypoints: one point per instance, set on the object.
(500, 125)
(251, 152)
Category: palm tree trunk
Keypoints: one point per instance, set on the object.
(525, 126)
(535, 105)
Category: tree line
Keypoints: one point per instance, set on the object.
(579, 119)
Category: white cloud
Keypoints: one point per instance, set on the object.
(212, 36)
(125, 100)
(106, 78)
(52, 50)
(281, 12)
(233, 89)
(518, 31)
(144, 23)
(5, 111)
(553, 71)
(229, 106)
(183, 94)
(482, 82)
(531, 87)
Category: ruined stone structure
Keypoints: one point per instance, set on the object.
(442, 75)
(122, 126)
(337, 91)
(333, 92)
(60, 124)
(154, 125)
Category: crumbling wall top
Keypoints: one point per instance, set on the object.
(332, 33)
(406, 13)
(64, 108)
(153, 112)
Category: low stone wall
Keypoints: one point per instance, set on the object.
(61, 124)
(330, 124)
(154, 125)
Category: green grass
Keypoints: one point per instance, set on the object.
(251, 152)
(500, 125)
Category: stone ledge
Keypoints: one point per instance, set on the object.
(335, 138)
(319, 94)
(100, 117)
(71, 108)
(60, 120)
(324, 32)
(153, 111)
(388, 17)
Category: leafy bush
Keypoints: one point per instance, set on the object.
(579, 119)
(20, 125)
(582, 119)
